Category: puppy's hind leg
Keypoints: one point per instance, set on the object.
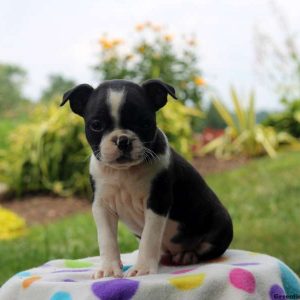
(192, 256)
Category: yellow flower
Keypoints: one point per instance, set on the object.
(168, 37)
(141, 49)
(107, 44)
(199, 81)
(11, 225)
(116, 42)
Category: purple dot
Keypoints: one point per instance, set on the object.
(71, 270)
(246, 264)
(69, 280)
(116, 289)
(276, 292)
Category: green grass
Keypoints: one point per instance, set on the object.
(72, 237)
(263, 200)
(262, 197)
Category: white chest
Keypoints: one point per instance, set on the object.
(124, 192)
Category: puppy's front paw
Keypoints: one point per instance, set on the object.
(109, 268)
(142, 268)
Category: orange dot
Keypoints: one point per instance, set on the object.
(218, 259)
(28, 281)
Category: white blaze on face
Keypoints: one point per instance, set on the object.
(115, 100)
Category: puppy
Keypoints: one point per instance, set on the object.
(138, 178)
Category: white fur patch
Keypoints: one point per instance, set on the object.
(165, 157)
(115, 100)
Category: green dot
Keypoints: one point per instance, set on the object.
(70, 263)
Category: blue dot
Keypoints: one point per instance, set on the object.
(125, 268)
(290, 282)
(23, 274)
(61, 296)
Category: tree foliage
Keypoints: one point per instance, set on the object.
(12, 79)
(57, 85)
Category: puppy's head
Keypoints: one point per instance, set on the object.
(119, 117)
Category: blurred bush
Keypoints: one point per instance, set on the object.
(11, 225)
(288, 120)
(243, 136)
(47, 154)
(154, 54)
(50, 152)
(175, 119)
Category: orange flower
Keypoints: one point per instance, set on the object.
(192, 42)
(156, 28)
(139, 27)
(199, 81)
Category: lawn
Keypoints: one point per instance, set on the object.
(262, 197)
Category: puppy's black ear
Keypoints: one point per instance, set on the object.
(78, 97)
(157, 92)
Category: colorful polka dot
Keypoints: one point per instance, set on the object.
(276, 292)
(187, 282)
(290, 283)
(29, 281)
(246, 264)
(69, 280)
(125, 268)
(72, 271)
(183, 271)
(61, 296)
(242, 279)
(69, 263)
(218, 259)
(117, 289)
(23, 274)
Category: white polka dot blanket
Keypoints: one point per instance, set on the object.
(236, 275)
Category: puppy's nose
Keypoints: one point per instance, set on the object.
(124, 143)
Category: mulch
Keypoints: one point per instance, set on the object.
(43, 209)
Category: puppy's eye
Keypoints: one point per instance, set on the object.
(96, 126)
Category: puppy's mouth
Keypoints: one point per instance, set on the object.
(124, 161)
(124, 158)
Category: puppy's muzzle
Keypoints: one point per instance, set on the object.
(124, 143)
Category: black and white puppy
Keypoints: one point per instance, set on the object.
(138, 178)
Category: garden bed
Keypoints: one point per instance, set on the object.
(41, 209)
(45, 209)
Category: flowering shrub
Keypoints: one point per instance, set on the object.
(11, 225)
(153, 55)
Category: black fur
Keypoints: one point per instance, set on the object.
(92, 182)
(178, 191)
